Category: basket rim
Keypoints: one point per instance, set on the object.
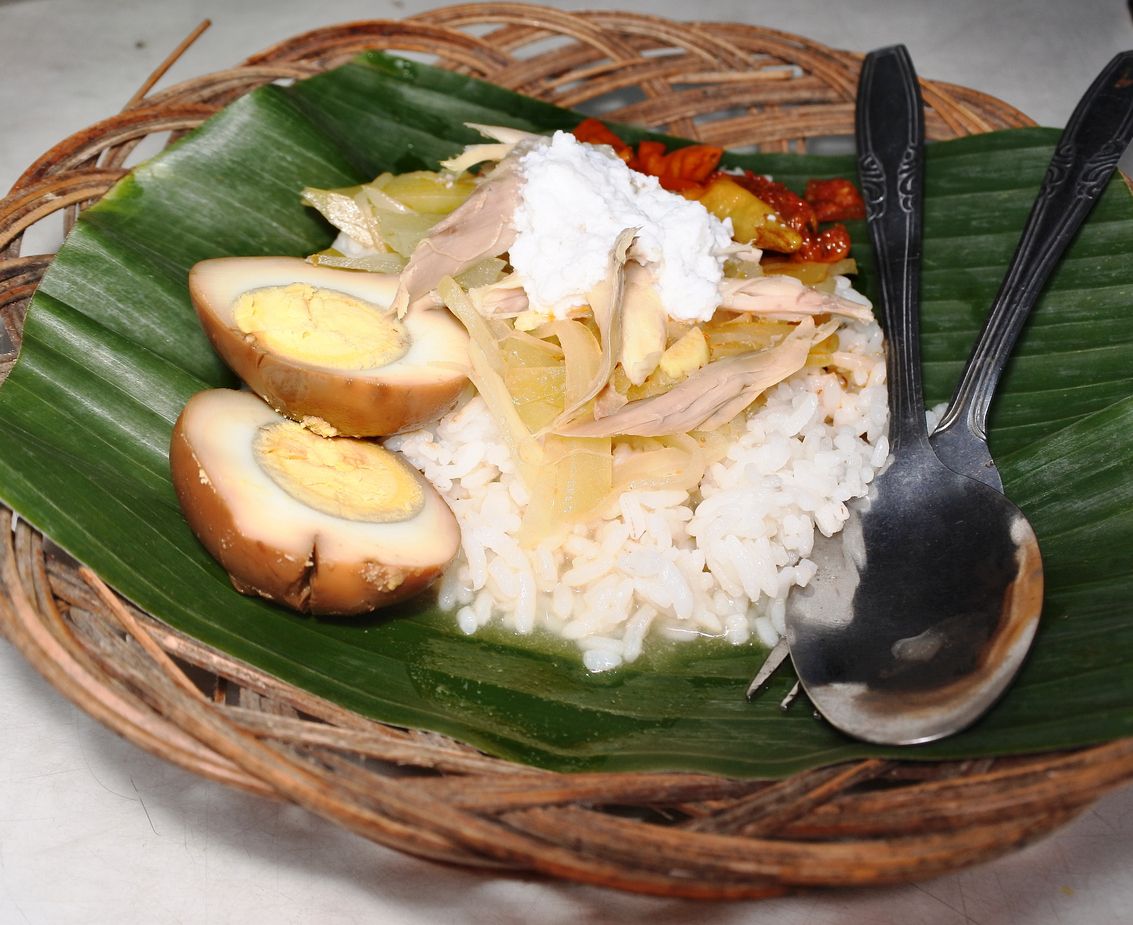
(123, 671)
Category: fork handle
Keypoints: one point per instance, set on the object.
(1093, 141)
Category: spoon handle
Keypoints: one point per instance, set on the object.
(890, 142)
(1087, 153)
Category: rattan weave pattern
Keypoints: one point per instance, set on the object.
(692, 835)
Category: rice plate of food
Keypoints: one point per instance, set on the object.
(609, 386)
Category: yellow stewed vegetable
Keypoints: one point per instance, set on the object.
(427, 191)
(752, 219)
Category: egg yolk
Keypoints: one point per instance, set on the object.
(339, 476)
(302, 322)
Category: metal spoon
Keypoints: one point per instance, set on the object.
(1093, 141)
(925, 605)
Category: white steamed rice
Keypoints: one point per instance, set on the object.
(718, 562)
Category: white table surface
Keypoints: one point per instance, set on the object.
(93, 830)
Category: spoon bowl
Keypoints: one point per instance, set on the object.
(922, 609)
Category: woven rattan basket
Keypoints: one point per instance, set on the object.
(867, 822)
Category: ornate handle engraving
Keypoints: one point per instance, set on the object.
(909, 179)
(871, 178)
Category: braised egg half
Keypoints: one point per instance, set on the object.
(326, 525)
(323, 344)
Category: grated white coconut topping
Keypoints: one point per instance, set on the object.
(577, 198)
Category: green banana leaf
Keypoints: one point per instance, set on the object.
(112, 351)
